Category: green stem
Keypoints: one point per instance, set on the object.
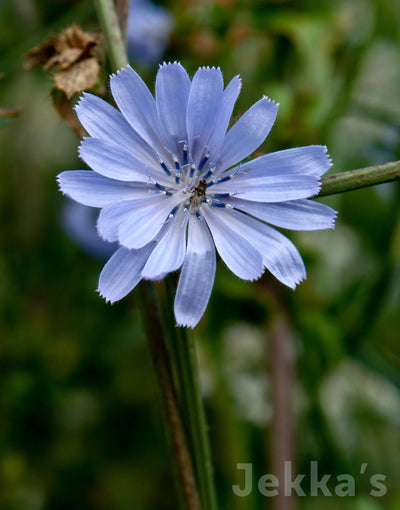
(361, 178)
(192, 403)
(112, 33)
(183, 354)
(161, 361)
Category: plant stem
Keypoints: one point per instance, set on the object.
(183, 354)
(112, 33)
(191, 400)
(161, 361)
(361, 178)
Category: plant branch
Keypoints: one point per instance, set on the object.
(361, 178)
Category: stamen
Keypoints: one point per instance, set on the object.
(204, 161)
(185, 153)
(219, 181)
(192, 169)
(224, 195)
(172, 213)
(209, 173)
(220, 205)
(165, 168)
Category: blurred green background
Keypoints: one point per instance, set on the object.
(80, 426)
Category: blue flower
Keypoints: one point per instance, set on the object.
(148, 32)
(168, 177)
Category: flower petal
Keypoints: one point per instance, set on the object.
(112, 161)
(248, 133)
(237, 253)
(93, 190)
(138, 106)
(170, 251)
(122, 272)
(224, 115)
(278, 188)
(309, 160)
(279, 255)
(172, 93)
(145, 220)
(203, 104)
(111, 217)
(101, 120)
(197, 276)
(294, 215)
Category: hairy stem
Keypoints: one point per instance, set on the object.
(361, 178)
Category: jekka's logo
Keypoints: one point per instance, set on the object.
(341, 485)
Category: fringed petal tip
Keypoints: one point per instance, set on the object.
(270, 101)
(186, 324)
(169, 63)
(328, 158)
(60, 182)
(108, 301)
(333, 219)
(208, 68)
(122, 70)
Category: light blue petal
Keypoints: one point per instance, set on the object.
(277, 188)
(248, 133)
(122, 272)
(138, 106)
(170, 251)
(112, 161)
(237, 253)
(224, 115)
(89, 188)
(197, 276)
(145, 220)
(101, 120)
(279, 255)
(204, 101)
(294, 215)
(111, 217)
(172, 93)
(309, 160)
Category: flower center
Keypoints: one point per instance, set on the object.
(198, 196)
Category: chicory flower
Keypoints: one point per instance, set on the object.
(173, 189)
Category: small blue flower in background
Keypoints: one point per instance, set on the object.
(148, 31)
(79, 222)
(168, 177)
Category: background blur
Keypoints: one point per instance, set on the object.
(79, 420)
